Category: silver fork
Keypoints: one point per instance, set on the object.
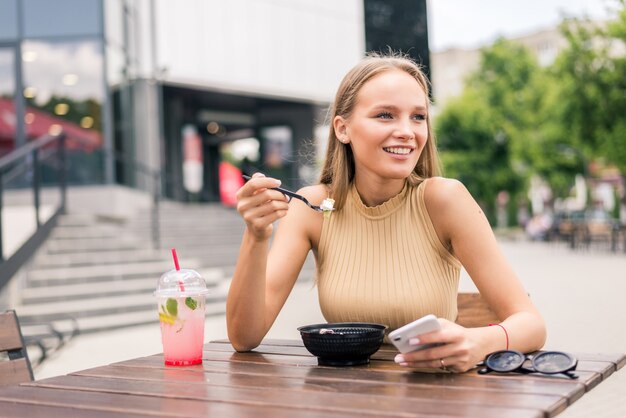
(291, 195)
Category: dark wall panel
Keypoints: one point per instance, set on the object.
(399, 24)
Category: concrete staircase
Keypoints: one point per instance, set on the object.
(98, 273)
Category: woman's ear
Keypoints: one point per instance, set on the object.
(341, 129)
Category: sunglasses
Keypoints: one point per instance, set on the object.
(545, 362)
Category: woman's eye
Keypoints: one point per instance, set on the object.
(419, 117)
(384, 115)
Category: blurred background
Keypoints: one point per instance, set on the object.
(532, 88)
(125, 126)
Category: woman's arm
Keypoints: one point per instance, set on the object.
(264, 277)
(463, 228)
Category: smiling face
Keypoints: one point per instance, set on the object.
(387, 128)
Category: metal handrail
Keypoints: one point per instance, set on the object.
(33, 150)
(10, 265)
(23, 151)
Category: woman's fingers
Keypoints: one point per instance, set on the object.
(260, 205)
(259, 182)
(265, 211)
(453, 347)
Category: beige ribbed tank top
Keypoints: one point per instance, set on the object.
(385, 264)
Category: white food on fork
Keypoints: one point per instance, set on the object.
(328, 204)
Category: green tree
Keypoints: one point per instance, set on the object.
(482, 134)
(591, 79)
(516, 119)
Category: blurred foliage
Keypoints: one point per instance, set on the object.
(516, 119)
(478, 131)
(590, 79)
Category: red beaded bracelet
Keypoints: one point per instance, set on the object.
(505, 333)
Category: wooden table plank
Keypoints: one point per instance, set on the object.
(604, 367)
(282, 379)
(414, 391)
(388, 351)
(30, 410)
(488, 386)
(30, 400)
(619, 359)
(595, 363)
(552, 386)
(588, 378)
(290, 400)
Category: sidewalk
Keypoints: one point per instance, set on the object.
(582, 296)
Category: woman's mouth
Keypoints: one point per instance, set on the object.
(398, 150)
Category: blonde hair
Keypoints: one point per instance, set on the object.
(339, 169)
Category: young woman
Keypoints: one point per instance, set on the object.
(392, 249)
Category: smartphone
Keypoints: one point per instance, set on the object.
(401, 336)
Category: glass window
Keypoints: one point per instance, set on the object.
(64, 90)
(7, 93)
(62, 17)
(8, 19)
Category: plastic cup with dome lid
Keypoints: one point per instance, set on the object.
(181, 297)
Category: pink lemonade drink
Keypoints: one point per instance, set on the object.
(181, 301)
(183, 333)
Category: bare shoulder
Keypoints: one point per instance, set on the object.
(443, 193)
(451, 207)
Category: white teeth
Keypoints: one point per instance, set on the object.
(397, 150)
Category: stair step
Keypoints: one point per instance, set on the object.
(94, 306)
(208, 273)
(109, 271)
(114, 321)
(75, 219)
(195, 228)
(46, 294)
(97, 257)
(191, 229)
(105, 244)
(100, 271)
(93, 232)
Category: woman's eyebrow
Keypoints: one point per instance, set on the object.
(392, 107)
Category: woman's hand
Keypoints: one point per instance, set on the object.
(459, 352)
(260, 206)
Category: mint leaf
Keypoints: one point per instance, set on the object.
(191, 303)
(172, 307)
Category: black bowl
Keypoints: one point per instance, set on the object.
(343, 343)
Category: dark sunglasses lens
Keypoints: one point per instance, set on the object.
(553, 362)
(505, 361)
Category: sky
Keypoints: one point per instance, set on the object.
(474, 23)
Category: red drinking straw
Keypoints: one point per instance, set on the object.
(180, 282)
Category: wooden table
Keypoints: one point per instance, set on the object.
(281, 379)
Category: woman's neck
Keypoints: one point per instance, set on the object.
(374, 193)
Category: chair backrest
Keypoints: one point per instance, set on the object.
(474, 311)
(17, 369)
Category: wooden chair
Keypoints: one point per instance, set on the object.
(17, 369)
(474, 311)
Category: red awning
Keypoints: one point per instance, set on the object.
(39, 124)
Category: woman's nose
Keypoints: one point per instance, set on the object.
(404, 130)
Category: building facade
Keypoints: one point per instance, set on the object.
(130, 80)
(189, 88)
